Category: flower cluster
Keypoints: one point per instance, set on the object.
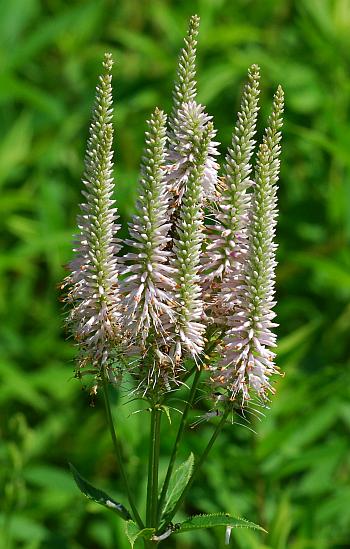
(187, 247)
(93, 281)
(200, 253)
(248, 361)
(190, 121)
(185, 89)
(147, 288)
(228, 235)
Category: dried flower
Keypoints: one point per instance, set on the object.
(248, 361)
(147, 288)
(93, 282)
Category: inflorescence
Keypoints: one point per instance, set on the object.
(200, 257)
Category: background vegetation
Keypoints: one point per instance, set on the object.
(291, 474)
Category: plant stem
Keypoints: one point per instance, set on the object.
(154, 514)
(198, 465)
(153, 468)
(118, 451)
(188, 406)
(149, 544)
(150, 469)
(178, 438)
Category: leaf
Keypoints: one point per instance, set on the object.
(166, 410)
(134, 533)
(218, 519)
(98, 495)
(177, 484)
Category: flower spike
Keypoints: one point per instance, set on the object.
(93, 282)
(190, 119)
(248, 361)
(187, 249)
(186, 86)
(228, 235)
(147, 287)
(187, 114)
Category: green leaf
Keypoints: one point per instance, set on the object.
(134, 533)
(218, 519)
(98, 495)
(166, 410)
(177, 484)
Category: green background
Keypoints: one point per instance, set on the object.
(292, 474)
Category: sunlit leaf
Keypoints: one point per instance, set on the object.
(177, 484)
(217, 519)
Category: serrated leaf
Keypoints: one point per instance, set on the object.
(218, 519)
(177, 484)
(134, 533)
(98, 496)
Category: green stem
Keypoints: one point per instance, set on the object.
(198, 465)
(156, 469)
(153, 468)
(178, 438)
(118, 451)
(150, 469)
(188, 406)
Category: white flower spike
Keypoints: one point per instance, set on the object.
(93, 282)
(190, 119)
(187, 249)
(228, 235)
(248, 360)
(147, 289)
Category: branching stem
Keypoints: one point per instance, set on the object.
(118, 451)
(178, 438)
(189, 403)
(198, 466)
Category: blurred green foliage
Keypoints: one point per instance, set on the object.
(292, 474)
